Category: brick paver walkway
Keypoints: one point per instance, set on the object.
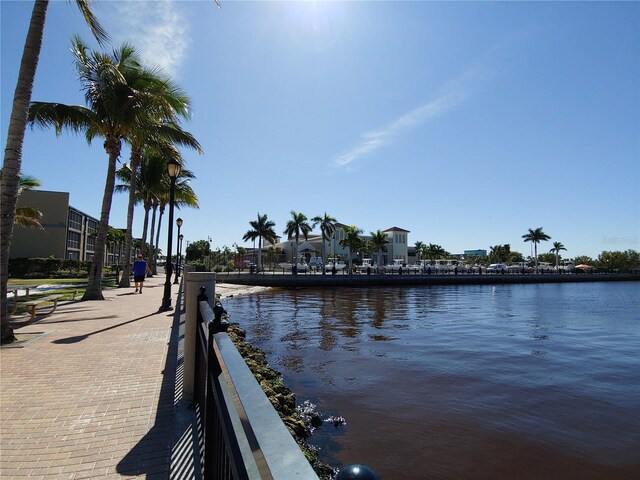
(94, 396)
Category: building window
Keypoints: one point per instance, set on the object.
(73, 240)
(92, 226)
(73, 255)
(91, 243)
(75, 220)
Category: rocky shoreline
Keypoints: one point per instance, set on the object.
(301, 420)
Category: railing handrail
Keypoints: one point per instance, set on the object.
(259, 445)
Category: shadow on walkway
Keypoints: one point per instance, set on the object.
(79, 338)
(171, 448)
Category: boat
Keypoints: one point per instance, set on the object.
(340, 265)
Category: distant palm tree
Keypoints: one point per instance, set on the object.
(536, 236)
(500, 253)
(262, 228)
(12, 164)
(296, 226)
(352, 241)
(379, 239)
(434, 252)
(557, 247)
(327, 227)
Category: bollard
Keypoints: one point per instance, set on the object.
(356, 472)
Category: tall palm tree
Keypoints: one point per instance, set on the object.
(379, 239)
(327, 227)
(296, 226)
(160, 133)
(118, 106)
(352, 241)
(557, 247)
(184, 196)
(536, 236)
(262, 228)
(10, 178)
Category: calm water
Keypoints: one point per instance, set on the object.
(477, 382)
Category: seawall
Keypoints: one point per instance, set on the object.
(333, 281)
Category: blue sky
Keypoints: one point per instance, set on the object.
(464, 123)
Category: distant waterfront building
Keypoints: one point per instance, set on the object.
(68, 232)
(396, 249)
(478, 253)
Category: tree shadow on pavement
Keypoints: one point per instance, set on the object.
(79, 338)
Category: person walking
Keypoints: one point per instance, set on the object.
(140, 270)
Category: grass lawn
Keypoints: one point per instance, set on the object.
(72, 289)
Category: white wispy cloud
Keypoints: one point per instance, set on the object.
(451, 96)
(158, 30)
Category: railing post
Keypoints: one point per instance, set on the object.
(193, 280)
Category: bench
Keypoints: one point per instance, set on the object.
(33, 304)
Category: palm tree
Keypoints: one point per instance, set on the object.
(158, 134)
(10, 178)
(434, 252)
(261, 228)
(557, 247)
(379, 239)
(115, 237)
(296, 226)
(118, 107)
(536, 236)
(28, 217)
(352, 241)
(500, 253)
(327, 227)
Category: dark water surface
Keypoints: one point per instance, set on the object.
(464, 382)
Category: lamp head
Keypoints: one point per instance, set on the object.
(173, 168)
(179, 222)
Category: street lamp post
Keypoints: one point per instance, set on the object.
(235, 255)
(178, 250)
(173, 169)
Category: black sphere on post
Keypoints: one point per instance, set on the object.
(173, 168)
(179, 224)
(356, 472)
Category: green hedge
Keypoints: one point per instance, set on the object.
(47, 267)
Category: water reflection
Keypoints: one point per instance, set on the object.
(480, 374)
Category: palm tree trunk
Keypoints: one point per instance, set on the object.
(145, 227)
(13, 152)
(94, 287)
(259, 253)
(155, 259)
(324, 258)
(126, 264)
(153, 226)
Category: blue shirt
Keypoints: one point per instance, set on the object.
(139, 267)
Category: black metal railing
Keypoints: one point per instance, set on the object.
(243, 435)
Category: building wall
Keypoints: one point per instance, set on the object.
(68, 233)
(52, 241)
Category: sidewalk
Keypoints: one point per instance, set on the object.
(94, 393)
